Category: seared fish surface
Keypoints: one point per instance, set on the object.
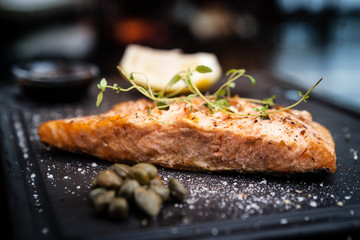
(191, 138)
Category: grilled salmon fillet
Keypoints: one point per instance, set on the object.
(191, 138)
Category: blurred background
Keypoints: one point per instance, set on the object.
(296, 40)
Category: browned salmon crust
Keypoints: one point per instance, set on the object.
(191, 138)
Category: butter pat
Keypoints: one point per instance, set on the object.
(156, 67)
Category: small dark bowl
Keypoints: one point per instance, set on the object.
(54, 80)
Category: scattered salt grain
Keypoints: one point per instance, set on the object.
(283, 221)
(45, 230)
(351, 212)
(192, 200)
(263, 182)
(224, 183)
(355, 153)
(313, 203)
(286, 201)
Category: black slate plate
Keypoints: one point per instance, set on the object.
(47, 189)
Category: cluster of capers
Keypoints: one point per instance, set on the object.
(115, 189)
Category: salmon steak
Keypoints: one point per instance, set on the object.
(191, 137)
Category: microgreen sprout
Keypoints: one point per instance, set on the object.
(103, 85)
(215, 102)
(262, 110)
(304, 97)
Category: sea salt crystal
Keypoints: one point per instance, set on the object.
(50, 176)
(192, 200)
(286, 201)
(263, 182)
(45, 230)
(355, 153)
(313, 203)
(283, 221)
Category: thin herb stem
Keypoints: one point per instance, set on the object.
(231, 79)
(143, 91)
(298, 102)
(255, 101)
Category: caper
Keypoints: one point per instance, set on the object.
(121, 169)
(107, 179)
(118, 208)
(149, 168)
(139, 184)
(95, 193)
(140, 175)
(148, 201)
(162, 191)
(177, 190)
(157, 181)
(128, 188)
(102, 201)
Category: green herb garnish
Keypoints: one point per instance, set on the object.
(215, 102)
